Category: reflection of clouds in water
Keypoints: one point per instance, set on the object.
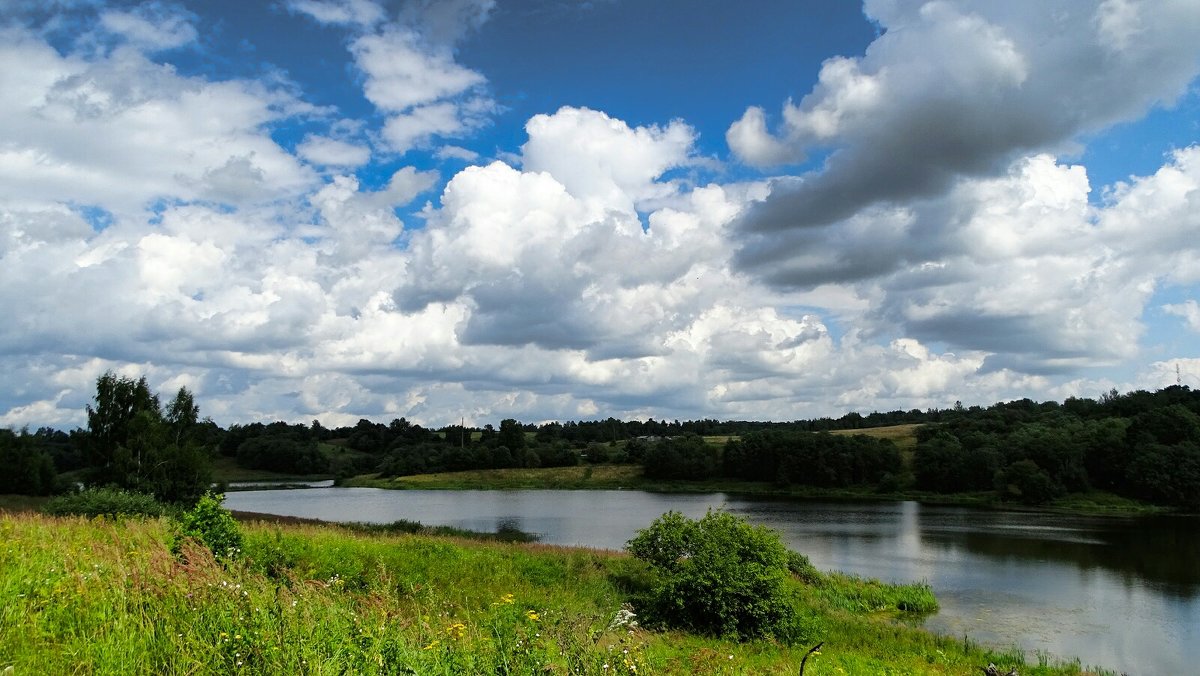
(1134, 633)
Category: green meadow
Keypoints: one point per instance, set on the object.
(104, 596)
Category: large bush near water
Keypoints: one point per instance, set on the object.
(717, 575)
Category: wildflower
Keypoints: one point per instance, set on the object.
(532, 615)
(432, 644)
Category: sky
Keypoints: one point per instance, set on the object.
(566, 210)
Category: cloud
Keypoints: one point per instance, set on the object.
(360, 223)
(151, 26)
(402, 73)
(1152, 220)
(360, 13)
(446, 22)
(1020, 267)
(329, 152)
(417, 125)
(539, 254)
(409, 69)
(150, 223)
(456, 153)
(940, 200)
(953, 89)
(1189, 311)
(119, 132)
(597, 157)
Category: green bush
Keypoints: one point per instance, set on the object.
(718, 575)
(212, 525)
(110, 502)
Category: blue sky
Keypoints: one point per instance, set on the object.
(344, 209)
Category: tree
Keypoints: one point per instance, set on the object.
(511, 435)
(120, 401)
(28, 470)
(718, 575)
(182, 416)
(133, 445)
(688, 457)
(1027, 482)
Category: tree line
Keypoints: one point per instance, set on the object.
(1143, 445)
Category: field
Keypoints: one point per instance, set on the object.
(904, 436)
(109, 597)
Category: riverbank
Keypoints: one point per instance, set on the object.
(108, 596)
(629, 477)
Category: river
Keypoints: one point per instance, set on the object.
(1120, 593)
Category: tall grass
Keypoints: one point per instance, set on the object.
(101, 596)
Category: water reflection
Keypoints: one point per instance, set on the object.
(1120, 593)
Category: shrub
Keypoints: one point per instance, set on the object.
(718, 575)
(212, 525)
(110, 502)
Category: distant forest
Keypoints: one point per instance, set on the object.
(1141, 445)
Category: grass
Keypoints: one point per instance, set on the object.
(401, 526)
(904, 436)
(21, 503)
(581, 476)
(225, 470)
(108, 597)
(1100, 502)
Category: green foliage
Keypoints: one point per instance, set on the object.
(942, 464)
(288, 453)
(133, 445)
(1025, 481)
(511, 435)
(804, 458)
(211, 524)
(1143, 445)
(856, 594)
(1168, 474)
(685, 457)
(799, 565)
(718, 575)
(27, 469)
(106, 501)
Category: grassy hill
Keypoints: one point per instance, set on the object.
(109, 597)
